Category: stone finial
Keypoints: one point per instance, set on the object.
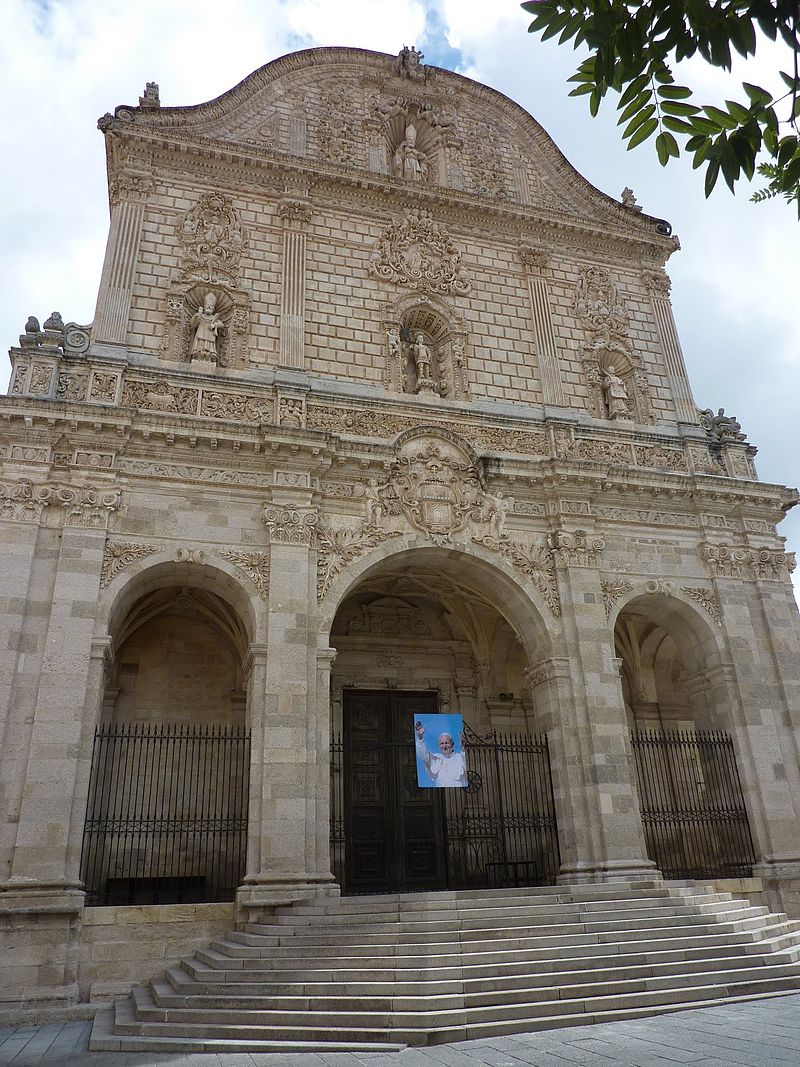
(55, 322)
(150, 97)
(409, 64)
(629, 200)
(32, 325)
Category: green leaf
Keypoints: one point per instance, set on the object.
(644, 131)
(633, 89)
(756, 93)
(740, 113)
(677, 125)
(642, 116)
(673, 92)
(677, 107)
(582, 90)
(716, 114)
(712, 173)
(634, 106)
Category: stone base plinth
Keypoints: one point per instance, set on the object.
(260, 894)
(39, 929)
(609, 871)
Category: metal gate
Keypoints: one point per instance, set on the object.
(693, 812)
(166, 821)
(498, 831)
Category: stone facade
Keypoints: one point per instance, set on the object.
(373, 372)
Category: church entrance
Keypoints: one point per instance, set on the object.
(394, 830)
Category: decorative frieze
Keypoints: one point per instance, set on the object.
(291, 526)
(22, 501)
(255, 565)
(104, 387)
(120, 554)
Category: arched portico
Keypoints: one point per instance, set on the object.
(173, 677)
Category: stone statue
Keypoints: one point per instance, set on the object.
(372, 503)
(722, 427)
(422, 364)
(408, 161)
(496, 515)
(409, 64)
(207, 325)
(615, 394)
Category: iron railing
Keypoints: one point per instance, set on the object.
(693, 812)
(166, 819)
(499, 831)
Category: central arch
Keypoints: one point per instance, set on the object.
(437, 630)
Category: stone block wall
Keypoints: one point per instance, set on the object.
(122, 946)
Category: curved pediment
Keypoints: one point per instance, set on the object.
(354, 110)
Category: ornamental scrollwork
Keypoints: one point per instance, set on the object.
(416, 251)
(575, 548)
(707, 599)
(213, 240)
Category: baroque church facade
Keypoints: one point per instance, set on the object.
(383, 410)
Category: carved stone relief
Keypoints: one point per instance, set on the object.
(575, 548)
(212, 240)
(742, 561)
(613, 589)
(417, 252)
(291, 526)
(104, 387)
(336, 547)
(336, 133)
(255, 565)
(81, 506)
(619, 387)
(707, 599)
(120, 554)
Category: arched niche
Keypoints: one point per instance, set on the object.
(618, 384)
(671, 665)
(440, 369)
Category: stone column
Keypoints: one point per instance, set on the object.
(760, 702)
(288, 853)
(42, 900)
(318, 858)
(128, 195)
(659, 285)
(600, 828)
(295, 215)
(255, 668)
(534, 261)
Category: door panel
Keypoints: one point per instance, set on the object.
(394, 830)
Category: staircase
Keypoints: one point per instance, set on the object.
(377, 973)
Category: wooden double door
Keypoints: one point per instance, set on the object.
(394, 830)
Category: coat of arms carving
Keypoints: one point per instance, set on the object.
(213, 240)
(436, 485)
(416, 251)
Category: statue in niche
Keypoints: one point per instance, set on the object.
(207, 326)
(422, 364)
(408, 162)
(615, 394)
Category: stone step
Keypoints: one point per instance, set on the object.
(353, 997)
(391, 933)
(362, 974)
(505, 910)
(375, 1021)
(248, 949)
(342, 983)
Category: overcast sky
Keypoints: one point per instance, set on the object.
(63, 63)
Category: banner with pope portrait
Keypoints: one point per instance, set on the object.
(441, 758)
